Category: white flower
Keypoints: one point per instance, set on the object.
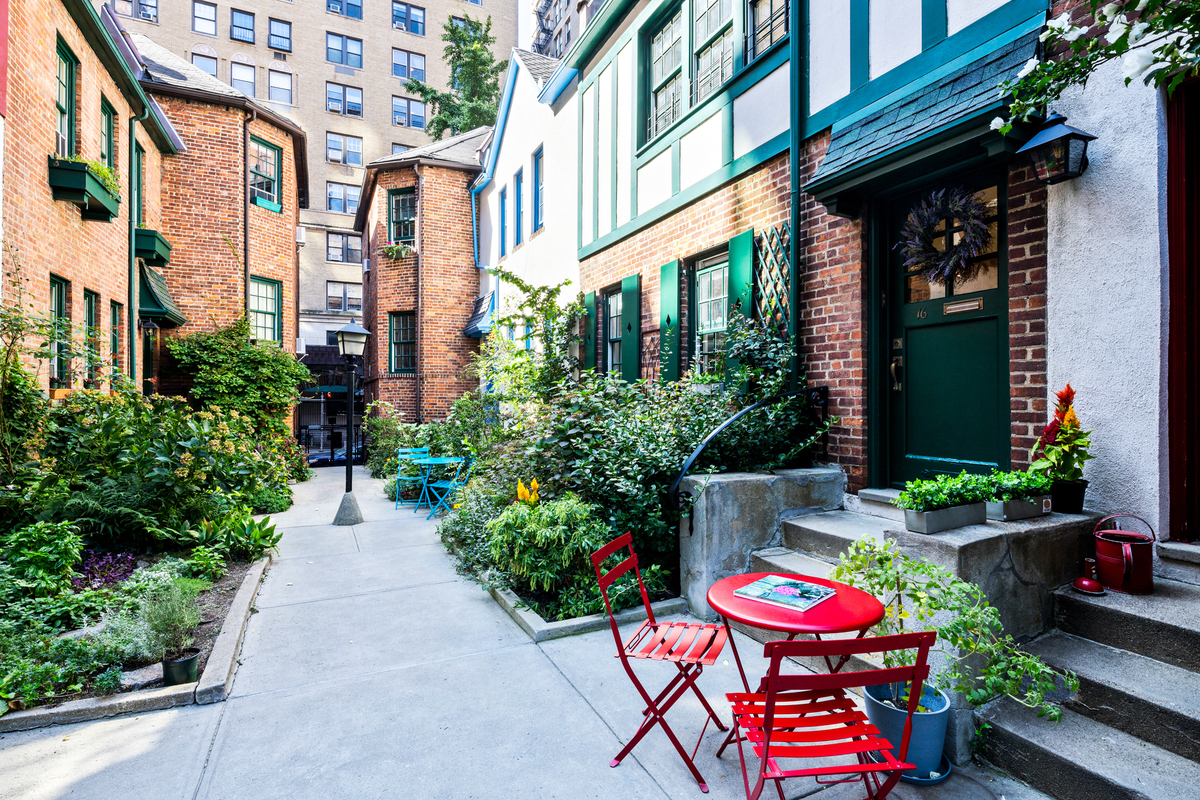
(1116, 30)
(1136, 62)
(1029, 67)
(1138, 31)
(1072, 34)
(1108, 12)
(998, 123)
(1142, 5)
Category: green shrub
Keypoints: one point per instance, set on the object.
(35, 668)
(944, 491)
(270, 499)
(547, 546)
(42, 557)
(208, 563)
(249, 539)
(464, 533)
(1005, 486)
(126, 634)
(107, 682)
(171, 614)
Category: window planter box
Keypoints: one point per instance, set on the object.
(59, 394)
(152, 247)
(1009, 510)
(944, 519)
(74, 182)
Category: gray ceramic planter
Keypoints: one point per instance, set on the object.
(1006, 510)
(944, 519)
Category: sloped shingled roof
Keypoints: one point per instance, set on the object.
(540, 67)
(460, 149)
(958, 96)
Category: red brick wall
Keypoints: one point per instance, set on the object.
(49, 236)
(202, 218)
(449, 284)
(1026, 310)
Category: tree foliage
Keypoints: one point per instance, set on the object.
(1158, 42)
(474, 80)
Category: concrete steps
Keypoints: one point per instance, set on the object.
(1082, 759)
(826, 536)
(875, 503)
(1178, 561)
(1156, 702)
(1164, 626)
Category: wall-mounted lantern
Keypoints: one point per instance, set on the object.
(1058, 151)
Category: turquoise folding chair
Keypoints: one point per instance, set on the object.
(403, 481)
(444, 491)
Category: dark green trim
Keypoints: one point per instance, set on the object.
(669, 336)
(933, 22)
(740, 289)
(391, 229)
(589, 330)
(275, 205)
(138, 207)
(65, 54)
(152, 247)
(91, 327)
(108, 125)
(631, 328)
(278, 305)
(155, 301)
(860, 43)
(62, 324)
(114, 336)
(393, 316)
(73, 182)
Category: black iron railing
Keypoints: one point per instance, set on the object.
(818, 401)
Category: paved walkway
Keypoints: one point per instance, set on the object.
(372, 670)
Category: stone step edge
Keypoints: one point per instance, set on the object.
(1181, 552)
(212, 687)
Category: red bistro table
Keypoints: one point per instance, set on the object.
(849, 610)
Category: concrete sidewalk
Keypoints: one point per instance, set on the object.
(372, 670)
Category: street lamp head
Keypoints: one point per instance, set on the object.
(1058, 151)
(352, 339)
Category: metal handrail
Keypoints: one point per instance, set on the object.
(818, 396)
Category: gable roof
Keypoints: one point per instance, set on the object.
(540, 67)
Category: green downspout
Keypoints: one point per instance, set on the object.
(132, 294)
(797, 108)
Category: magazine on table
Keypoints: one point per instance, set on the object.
(786, 592)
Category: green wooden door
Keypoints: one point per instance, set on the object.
(947, 370)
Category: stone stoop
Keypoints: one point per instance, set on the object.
(1178, 561)
(1133, 729)
(826, 536)
(875, 503)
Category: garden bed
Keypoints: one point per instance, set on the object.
(540, 630)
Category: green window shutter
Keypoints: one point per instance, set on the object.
(741, 274)
(589, 330)
(631, 328)
(668, 321)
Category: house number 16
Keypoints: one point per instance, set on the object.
(922, 313)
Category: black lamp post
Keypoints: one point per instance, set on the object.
(352, 343)
(1058, 151)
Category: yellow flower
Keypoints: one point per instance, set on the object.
(533, 486)
(522, 492)
(1070, 420)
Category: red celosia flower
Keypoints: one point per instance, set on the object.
(1066, 399)
(1050, 434)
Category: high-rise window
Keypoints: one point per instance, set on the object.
(346, 100)
(409, 113)
(343, 248)
(280, 37)
(204, 18)
(142, 9)
(108, 129)
(341, 296)
(64, 103)
(241, 26)
(241, 76)
(206, 63)
(539, 192)
(266, 162)
(408, 18)
(341, 149)
(343, 50)
(266, 309)
(402, 215)
(397, 149)
(341, 198)
(280, 86)
(347, 8)
(408, 66)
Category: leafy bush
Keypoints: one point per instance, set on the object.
(547, 546)
(34, 668)
(100, 569)
(270, 499)
(42, 557)
(170, 614)
(126, 634)
(107, 682)
(944, 491)
(464, 533)
(155, 577)
(206, 562)
(1005, 486)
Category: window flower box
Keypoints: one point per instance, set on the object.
(59, 394)
(76, 182)
(152, 247)
(1009, 510)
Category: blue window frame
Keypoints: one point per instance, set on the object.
(539, 196)
(518, 205)
(241, 26)
(503, 222)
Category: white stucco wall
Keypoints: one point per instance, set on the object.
(758, 114)
(589, 154)
(829, 53)
(895, 33)
(700, 151)
(626, 103)
(961, 13)
(547, 256)
(654, 182)
(604, 153)
(1107, 292)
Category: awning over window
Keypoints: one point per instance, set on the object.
(480, 323)
(154, 301)
(949, 117)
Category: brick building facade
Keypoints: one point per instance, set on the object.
(417, 307)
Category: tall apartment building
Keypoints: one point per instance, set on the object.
(336, 67)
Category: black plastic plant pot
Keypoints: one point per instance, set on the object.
(181, 670)
(1066, 497)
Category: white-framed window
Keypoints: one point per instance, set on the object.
(406, 65)
(344, 248)
(280, 86)
(241, 77)
(712, 309)
(347, 8)
(341, 296)
(342, 149)
(344, 50)
(206, 63)
(204, 18)
(408, 18)
(408, 113)
(347, 100)
(666, 75)
(341, 198)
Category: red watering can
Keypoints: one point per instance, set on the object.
(1125, 559)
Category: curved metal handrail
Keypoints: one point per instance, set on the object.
(817, 395)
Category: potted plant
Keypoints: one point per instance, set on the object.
(171, 614)
(980, 661)
(396, 250)
(1018, 495)
(947, 501)
(1063, 447)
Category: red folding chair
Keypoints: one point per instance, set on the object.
(811, 715)
(689, 646)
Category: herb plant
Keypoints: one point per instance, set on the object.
(171, 614)
(1006, 486)
(944, 491)
(982, 662)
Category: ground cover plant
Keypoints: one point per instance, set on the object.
(602, 451)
